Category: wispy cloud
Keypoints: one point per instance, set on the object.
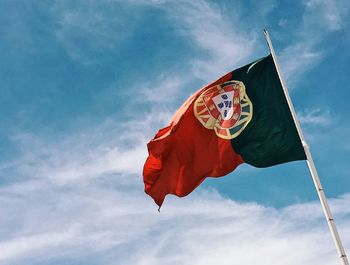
(216, 32)
(87, 29)
(108, 223)
(297, 59)
(315, 117)
(164, 90)
(223, 41)
(112, 147)
(81, 198)
(320, 18)
(330, 15)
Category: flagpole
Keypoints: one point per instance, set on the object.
(310, 162)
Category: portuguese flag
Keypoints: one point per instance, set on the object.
(243, 117)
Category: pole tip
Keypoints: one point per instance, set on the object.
(265, 31)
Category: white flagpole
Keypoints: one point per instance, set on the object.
(310, 162)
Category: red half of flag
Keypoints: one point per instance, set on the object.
(183, 154)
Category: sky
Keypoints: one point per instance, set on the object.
(86, 84)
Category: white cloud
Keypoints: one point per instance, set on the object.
(282, 22)
(330, 15)
(218, 33)
(316, 117)
(224, 41)
(108, 224)
(164, 90)
(305, 52)
(27, 244)
(297, 59)
(113, 147)
(81, 198)
(87, 29)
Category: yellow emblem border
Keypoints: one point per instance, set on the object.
(209, 122)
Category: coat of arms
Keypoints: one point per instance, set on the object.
(225, 108)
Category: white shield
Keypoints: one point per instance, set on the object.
(224, 103)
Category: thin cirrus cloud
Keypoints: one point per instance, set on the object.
(320, 18)
(228, 43)
(80, 199)
(86, 31)
(90, 30)
(162, 91)
(225, 41)
(330, 14)
(108, 219)
(316, 117)
(69, 206)
(213, 31)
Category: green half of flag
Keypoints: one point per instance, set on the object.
(270, 137)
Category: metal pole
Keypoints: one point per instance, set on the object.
(310, 162)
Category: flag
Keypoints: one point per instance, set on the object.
(243, 117)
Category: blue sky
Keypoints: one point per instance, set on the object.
(86, 84)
